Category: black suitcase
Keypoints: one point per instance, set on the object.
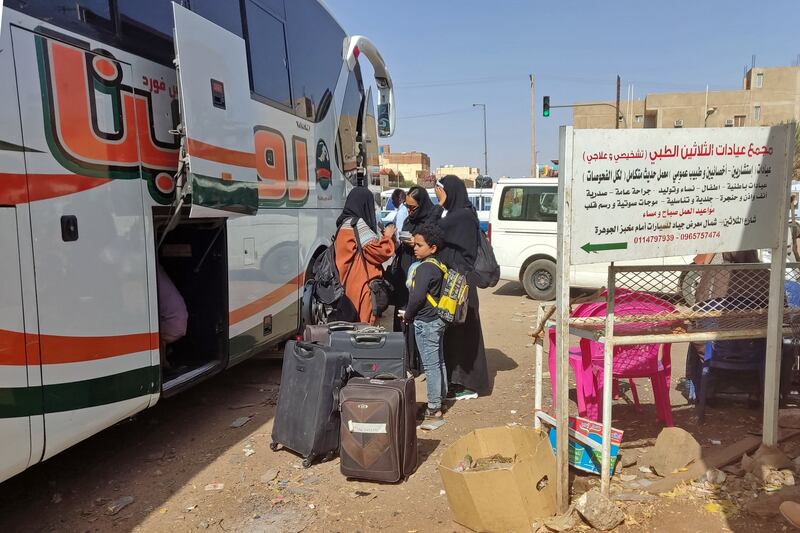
(321, 333)
(307, 417)
(378, 431)
(373, 354)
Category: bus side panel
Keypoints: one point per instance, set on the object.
(264, 277)
(88, 228)
(15, 430)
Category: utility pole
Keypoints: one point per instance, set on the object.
(616, 117)
(485, 157)
(533, 132)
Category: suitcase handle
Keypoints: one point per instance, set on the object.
(341, 325)
(305, 350)
(368, 338)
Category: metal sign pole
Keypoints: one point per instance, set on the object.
(608, 379)
(777, 277)
(538, 346)
(562, 318)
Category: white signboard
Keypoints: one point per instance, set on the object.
(639, 194)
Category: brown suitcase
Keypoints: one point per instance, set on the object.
(321, 333)
(378, 437)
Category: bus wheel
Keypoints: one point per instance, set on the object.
(539, 280)
(313, 311)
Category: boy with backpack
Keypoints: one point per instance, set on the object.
(437, 296)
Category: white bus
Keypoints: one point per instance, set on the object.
(229, 171)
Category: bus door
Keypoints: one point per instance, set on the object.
(84, 181)
(217, 116)
(20, 397)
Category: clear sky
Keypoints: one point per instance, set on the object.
(445, 55)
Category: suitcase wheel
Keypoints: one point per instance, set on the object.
(273, 446)
(307, 462)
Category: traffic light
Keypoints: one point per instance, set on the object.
(546, 106)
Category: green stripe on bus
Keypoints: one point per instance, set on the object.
(30, 401)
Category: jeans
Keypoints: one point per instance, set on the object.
(429, 343)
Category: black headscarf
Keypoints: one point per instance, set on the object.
(359, 204)
(456, 192)
(460, 226)
(425, 211)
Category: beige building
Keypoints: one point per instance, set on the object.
(412, 165)
(768, 96)
(468, 174)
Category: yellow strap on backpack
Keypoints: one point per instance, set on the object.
(443, 268)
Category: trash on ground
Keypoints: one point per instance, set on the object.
(239, 422)
(431, 425)
(526, 485)
(215, 487)
(770, 465)
(269, 475)
(585, 442)
(118, 505)
(713, 476)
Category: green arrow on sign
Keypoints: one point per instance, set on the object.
(589, 248)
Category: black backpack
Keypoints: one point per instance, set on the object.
(486, 272)
(327, 285)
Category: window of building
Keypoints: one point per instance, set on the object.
(529, 204)
(224, 14)
(759, 80)
(269, 65)
(315, 49)
(638, 119)
(347, 137)
(738, 120)
(757, 112)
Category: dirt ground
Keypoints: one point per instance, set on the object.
(169, 459)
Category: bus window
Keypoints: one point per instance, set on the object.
(224, 14)
(315, 50)
(487, 203)
(269, 72)
(530, 204)
(143, 18)
(71, 14)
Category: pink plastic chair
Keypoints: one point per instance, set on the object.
(629, 361)
(636, 361)
(584, 378)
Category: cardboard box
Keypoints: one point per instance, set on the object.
(589, 458)
(509, 498)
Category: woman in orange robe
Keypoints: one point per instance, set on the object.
(358, 268)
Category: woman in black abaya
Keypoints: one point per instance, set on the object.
(464, 352)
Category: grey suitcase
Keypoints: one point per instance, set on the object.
(373, 353)
(321, 333)
(307, 417)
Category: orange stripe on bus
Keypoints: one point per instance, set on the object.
(57, 349)
(13, 188)
(221, 155)
(12, 348)
(237, 315)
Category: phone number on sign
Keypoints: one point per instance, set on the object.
(691, 236)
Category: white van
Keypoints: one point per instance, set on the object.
(522, 230)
